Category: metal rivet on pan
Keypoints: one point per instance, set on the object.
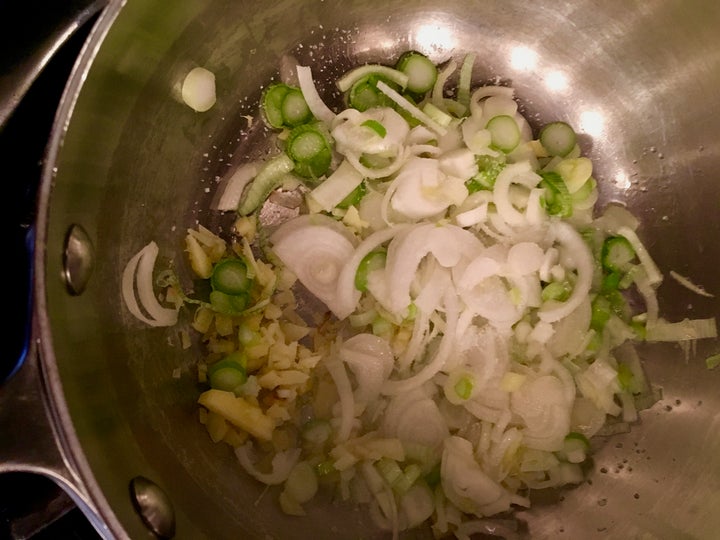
(78, 259)
(154, 506)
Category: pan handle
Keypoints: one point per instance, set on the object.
(30, 441)
(32, 35)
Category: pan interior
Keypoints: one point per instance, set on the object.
(641, 83)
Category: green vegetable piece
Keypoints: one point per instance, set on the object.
(432, 478)
(625, 377)
(376, 126)
(556, 200)
(600, 313)
(354, 197)
(229, 304)
(639, 329)
(266, 180)
(504, 133)
(421, 72)
(295, 110)
(556, 290)
(617, 254)
(228, 373)
(230, 276)
(325, 468)
(272, 104)
(611, 282)
(574, 435)
(558, 138)
(463, 388)
(712, 361)
(488, 169)
(372, 261)
(309, 148)
(409, 476)
(364, 94)
(618, 304)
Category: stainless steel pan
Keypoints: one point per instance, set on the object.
(127, 163)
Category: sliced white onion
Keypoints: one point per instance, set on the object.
(412, 109)
(653, 273)
(282, 464)
(236, 184)
(336, 187)
(689, 285)
(542, 405)
(347, 400)
(346, 294)
(465, 483)
(584, 265)
(685, 330)
(516, 173)
(446, 244)
(441, 356)
(371, 359)
(138, 273)
(316, 254)
(315, 103)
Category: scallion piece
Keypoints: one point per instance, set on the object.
(463, 388)
(556, 200)
(364, 94)
(309, 148)
(354, 197)
(556, 290)
(600, 313)
(504, 133)
(376, 126)
(712, 361)
(488, 169)
(295, 110)
(272, 104)
(575, 447)
(230, 276)
(267, 179)
(372, 261)
(558, 138)
(625, 376)
(228, 373)
(617, 254)
(611, 282)
(420, 70)
(230, 304)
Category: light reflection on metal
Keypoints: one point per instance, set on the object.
(592, 123)
(622, 181)
(523, 58)
(556, 81)
(435, 37)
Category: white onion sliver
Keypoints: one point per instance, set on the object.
(653, 273)
(128, 288)
(347, 400)
(139, 272)
(230, 198)
(315, 103)
(346, 293)
(282, 464)
(584, 265)
(412, 109)
(445, 349)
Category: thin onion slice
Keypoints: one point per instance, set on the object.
(315, 103)
(139, 273)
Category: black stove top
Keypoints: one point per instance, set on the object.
(32, 506)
